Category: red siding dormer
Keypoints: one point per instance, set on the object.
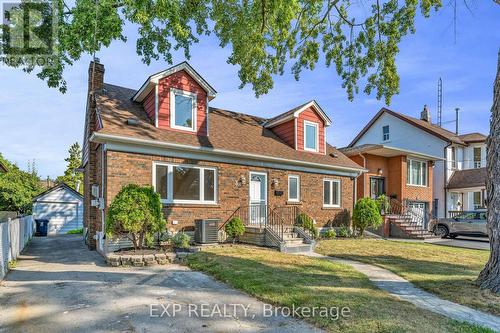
(177, 99)
(293, 125)
(182, 84)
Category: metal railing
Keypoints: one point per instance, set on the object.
(453, 213)
(415, 217)
(262, 216)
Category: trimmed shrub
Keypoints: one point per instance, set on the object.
(330, 234)
(366, 214)
(344, 232)
(234, 228)
(305, 221)
(181, 240)
(383, 203)
(136, 213)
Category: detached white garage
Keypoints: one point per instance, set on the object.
(62, 206)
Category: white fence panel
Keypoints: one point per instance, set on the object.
(14, 235)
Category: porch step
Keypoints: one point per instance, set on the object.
(294, 241)
(297, 248)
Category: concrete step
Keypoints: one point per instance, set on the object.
(294, 241)
(290, 235)
(297, 248)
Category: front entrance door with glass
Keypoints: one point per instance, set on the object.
(258, 199)
(377, 187)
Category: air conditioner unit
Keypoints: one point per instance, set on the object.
(95, 191)
(206, 231)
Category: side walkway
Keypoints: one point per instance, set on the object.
(404, 290)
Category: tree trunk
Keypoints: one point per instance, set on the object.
(489, 278)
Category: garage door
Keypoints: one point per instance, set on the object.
(62, 216)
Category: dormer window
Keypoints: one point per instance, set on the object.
(183, 110)
(385, 133)
(311, 136)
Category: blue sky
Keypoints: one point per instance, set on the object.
(39, 123)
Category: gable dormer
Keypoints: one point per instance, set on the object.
(177, 99)
(303, 127)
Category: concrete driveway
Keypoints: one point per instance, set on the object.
(60, 286)
(476, 243)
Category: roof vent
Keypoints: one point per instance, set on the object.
(132, 122)
(334, 155)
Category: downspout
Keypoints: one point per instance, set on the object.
(103, 216)
(364, 166)
(445, 180)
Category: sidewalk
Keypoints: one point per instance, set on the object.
(404, 290)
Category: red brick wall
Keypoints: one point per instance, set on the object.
(312, 116)
(394, 171)
(286, 132)
(182, 81)
(125, 168)
(418, 193)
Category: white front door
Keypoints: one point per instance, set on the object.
(258, 198)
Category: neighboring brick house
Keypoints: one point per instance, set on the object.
(408, 159)
(207, 162)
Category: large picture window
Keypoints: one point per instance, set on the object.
(331, 193)
(310, 136)
(416, 173)
(185, 183)
(183, 110)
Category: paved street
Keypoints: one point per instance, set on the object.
(478, 243)
(60, 286)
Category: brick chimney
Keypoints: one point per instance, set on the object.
(425, 115)
(96, 75)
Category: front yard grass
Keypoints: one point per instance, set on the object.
(286, 280)
(444, 271)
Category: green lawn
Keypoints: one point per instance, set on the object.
(445, 271)
(286, 280)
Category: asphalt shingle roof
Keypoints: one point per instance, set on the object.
(228, 130)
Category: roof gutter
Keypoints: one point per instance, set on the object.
(105, 138)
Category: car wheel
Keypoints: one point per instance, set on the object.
(452, 236)
(441, 231)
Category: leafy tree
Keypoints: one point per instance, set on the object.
(263, 35)
(18, 188)
(366, 214)
(234, 228)
(71, 177)
(136, 213)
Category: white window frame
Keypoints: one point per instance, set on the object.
(194, 102)
(409, 174)
(388, 133)
(316, 125)
(170, 183)
(339, 191)
(477, 164)
(298, 188)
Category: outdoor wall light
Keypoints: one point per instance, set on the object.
(241, 181)
(274, 183)
(380, 171)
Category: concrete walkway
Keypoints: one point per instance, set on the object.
(404, 290)
(61, 286)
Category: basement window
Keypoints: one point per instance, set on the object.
(183, 110)
(185, 183)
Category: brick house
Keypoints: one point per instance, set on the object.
(207, 162)
(408, 159)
